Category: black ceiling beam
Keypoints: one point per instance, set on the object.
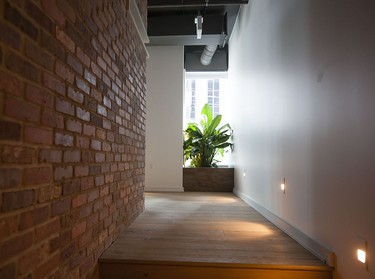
(184, 25)
(153, 4)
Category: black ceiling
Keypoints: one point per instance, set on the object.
(171, 22)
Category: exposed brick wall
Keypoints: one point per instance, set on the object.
(72, 133)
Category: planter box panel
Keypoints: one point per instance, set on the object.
(208, 179)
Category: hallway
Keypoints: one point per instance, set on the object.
(205, 235)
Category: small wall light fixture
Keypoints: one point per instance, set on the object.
(362, 251)
(361, 255)
(282, 186)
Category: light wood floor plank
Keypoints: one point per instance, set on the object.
(210, 228)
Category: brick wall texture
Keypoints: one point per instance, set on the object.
(72, 133)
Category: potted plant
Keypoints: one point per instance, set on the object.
(204, 143)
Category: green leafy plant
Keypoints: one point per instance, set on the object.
(203, 143)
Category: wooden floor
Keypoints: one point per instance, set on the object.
(206, 235)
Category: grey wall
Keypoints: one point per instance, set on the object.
(302, 75)
(164, 154)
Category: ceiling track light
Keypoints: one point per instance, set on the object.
(199, 24)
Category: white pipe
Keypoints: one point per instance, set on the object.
(207, 54)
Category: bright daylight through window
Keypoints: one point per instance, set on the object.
(202, 88)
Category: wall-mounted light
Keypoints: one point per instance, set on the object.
(361, 255)
(199, 24)
(362, 251)
(282, 186)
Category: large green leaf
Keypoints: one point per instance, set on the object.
(202, 144)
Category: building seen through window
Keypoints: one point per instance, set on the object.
(202, 88)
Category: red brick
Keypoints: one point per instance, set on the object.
(8, 271)
(87, 183)
(47, 230)
(35, 13)
(48, 193)
(102, 110)
(106, 146)
(52, 119)
(96, 145)
(92, 220)
(75, 95)
(16, 154)
(15, 246)
(9, 36)
(16, 200)
(53, 83)
(101, 63)
(100, 134)
(85, 211)
(88, 130)
(9, 83)
(39, 96)
(65, 39)
(96, 69)
(9, 178)
(74, 126)
(77, 259)
(32, 258)
(22, 110)
(87, 157)
(71, 187)
(8, 226)
(53, 46)
(36, 176)
(72, 156)
(63, 172)
(22, 67)
(82, 114)
(68, 251)
(107, 124)
(47, 267)
(79, 200)
(38, 135)
(31, 218)
(53, 11)
(75, 64)
(60, 207)
(83, 57)
(78, 229)
(10, 131)
(15, 17)
(59, 241)
(50, 156)
(82, 85)
(99, 180)
(81, 171)
(64, 72)
(82, 142)
(90, 77)
(99, 157)
(67, 9)
(38, 55)
(85, 239)
(64, 107)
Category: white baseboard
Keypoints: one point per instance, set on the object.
(308, 243)
(164, 189)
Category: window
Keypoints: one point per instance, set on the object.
(202, 88)
(213, 95)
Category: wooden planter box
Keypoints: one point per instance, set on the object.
(208, 179)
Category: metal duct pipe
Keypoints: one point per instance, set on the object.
(207, 54)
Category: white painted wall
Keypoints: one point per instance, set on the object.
(164, 154)
(302, 77)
